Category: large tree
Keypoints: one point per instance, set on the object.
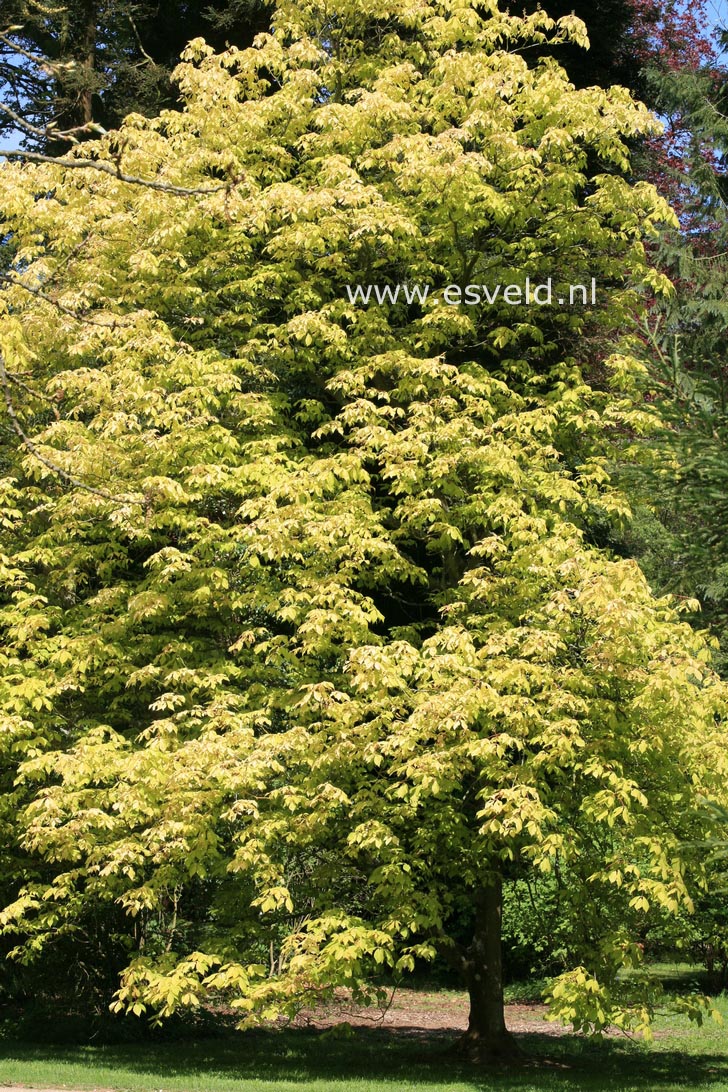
(301, 612)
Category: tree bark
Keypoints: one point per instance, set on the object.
(74, 90)
(487, 1038)
(89, 64)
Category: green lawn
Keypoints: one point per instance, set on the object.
(683, 1057)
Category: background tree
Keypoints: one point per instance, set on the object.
(629, 38)
(72, 63)
(680, 534)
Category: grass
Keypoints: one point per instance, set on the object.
(682, 1057)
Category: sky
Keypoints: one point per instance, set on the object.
(717, 11)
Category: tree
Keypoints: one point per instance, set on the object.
(682, 479)
(70, 66)
(301, 611)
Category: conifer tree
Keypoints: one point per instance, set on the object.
(71, 65)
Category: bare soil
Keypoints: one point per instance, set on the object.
(422, 1011)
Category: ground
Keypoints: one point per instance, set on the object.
(424, 1011)
(403, 1049)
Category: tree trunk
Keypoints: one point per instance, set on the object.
(487, 1038)
(89, 64)
(75, 89)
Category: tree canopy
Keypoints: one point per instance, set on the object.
(303, 623)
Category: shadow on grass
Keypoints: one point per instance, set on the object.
(393, 1055)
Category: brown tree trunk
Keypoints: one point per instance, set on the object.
(74, 90)
(487, 1038)
(88, 49)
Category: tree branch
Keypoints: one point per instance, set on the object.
(50, 131)
(116, 172)
(139, 40)
(112, 324)
(51, 67)
(33, 449)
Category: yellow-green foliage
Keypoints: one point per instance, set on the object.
(294, 585)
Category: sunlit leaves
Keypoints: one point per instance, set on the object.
(303, 632)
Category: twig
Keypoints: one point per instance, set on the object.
(21, 123)
(18, 382)
(43, 62)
